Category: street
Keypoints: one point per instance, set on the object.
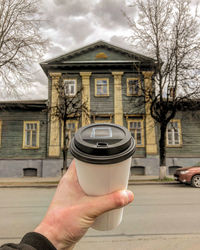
(161, 217)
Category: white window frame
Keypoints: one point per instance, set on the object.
(97, 81)
(25, 145)
(68, 83)
(171, 132)
(69, 132)
(141, 121)
(128, 87)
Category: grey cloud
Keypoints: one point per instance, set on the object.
(68, 22)
(80, 29)
(74, 7)
(121, 42)
(55, 50)
(109, 13)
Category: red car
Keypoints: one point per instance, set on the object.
(189, 175)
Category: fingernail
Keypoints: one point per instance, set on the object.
(129, 195)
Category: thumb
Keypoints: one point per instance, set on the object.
(104, 203)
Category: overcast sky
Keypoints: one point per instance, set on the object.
(71, 24)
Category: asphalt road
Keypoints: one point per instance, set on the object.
(161, 217)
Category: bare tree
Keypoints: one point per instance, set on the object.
(21, 43)
(168, 30)
(69, 106)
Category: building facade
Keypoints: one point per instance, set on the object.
(111, 79)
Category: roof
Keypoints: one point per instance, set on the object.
(98, 53)
(96, 44)
(23, 104)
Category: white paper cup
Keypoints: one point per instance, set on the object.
(103, 155)
(103, 179)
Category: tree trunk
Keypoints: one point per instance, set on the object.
(64, 159)
(162, 145)
(65, 149)
(162, 148)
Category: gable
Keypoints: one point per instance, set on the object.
(98, 54)
(99, 51)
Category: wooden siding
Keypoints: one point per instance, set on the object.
(105, 104)
(12, 134)
(130, 103)
(190, 126)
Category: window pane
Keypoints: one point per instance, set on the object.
(135, 128)
(27, 138)
(34, 139)
(35, 126)
(175, 124)
(170, 138)
(105, 89)
(71, 126)
(27, 126)
(176, 138)
(173, 133)
(133, 86)
(139, 138)
(99, 90)
(102, 87)
(68, 125)
(170, 126)
(131, 125)
(70, 87)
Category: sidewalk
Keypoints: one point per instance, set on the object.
(53, 181)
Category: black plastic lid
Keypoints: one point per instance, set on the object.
(102, 143)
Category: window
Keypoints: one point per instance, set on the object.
(31, 134)
(0, 131)
(72, 126)
(174, 133)
(137, 130)
(133, 86)
(71, 129)
(70, 87)
(101, 87)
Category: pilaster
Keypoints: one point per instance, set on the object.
(86, 96)
(54, 140)
(118, 106)
(151, 145)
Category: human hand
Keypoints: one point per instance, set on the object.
(72, 212)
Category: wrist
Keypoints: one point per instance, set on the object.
(53, 237)
(45, 231)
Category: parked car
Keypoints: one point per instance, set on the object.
(189, 175)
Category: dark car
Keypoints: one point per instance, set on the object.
(189, 175)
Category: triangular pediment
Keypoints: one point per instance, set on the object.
(98, 52)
